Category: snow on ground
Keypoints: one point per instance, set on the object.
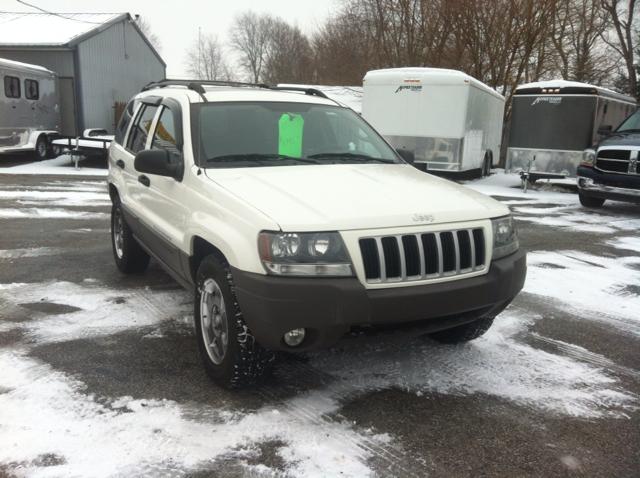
(552, 205)
(46, 417)
(63, 164)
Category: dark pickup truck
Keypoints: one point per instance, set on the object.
(609, 170)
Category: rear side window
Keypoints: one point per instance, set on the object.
(31, 90)
(125, 120)
(140, 130)
(12, 87)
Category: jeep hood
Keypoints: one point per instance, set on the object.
(359, 196)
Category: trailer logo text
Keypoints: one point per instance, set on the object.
(554, 100)
(416, 88)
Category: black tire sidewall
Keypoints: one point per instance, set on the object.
(588, 201)
(463, 333)
(245, 362)
(40, 141)
(134, 258)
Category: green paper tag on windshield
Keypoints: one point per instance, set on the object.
(290, 143)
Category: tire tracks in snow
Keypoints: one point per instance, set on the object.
(388, 460)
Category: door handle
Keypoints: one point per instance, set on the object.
(120, 163)
(145, 181)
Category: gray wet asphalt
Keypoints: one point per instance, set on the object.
(433, 434)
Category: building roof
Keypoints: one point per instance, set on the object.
(57, 30)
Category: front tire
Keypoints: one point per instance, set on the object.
(42, 148)
(587, 201)
(463, 333)
(129, 256)
(230, 354)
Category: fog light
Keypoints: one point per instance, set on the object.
(582, 183)
(294, 337)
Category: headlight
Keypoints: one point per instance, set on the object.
(588, 157)
(505, 237)
(304, 254)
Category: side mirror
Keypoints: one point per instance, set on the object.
(605, 129)
(407, 155)
(156, 161)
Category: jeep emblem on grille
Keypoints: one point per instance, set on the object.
(423, 218)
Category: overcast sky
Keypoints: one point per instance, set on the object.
(176, 22)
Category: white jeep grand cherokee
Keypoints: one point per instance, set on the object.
(297, 226)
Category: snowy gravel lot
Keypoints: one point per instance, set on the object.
(100, 377)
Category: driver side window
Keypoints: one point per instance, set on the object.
(165, 136)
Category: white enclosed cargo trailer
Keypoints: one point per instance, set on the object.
(29, 109)
(451, 121)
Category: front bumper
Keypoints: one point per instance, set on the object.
(335, 309)
(616, 187)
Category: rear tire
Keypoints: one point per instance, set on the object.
(486, 165)
(463, 333)
(587, 201)
(130, 257)
(54, 151)
(230, 354)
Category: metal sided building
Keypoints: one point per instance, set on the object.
(101, 59)
(556, 120)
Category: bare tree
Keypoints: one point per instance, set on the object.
(145, 28)
(206, 61)
(621, 15)
(288, 55)
(249, 36)
(344, 50)
(577, 29)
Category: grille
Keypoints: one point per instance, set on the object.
(616, 161)
(432, 255)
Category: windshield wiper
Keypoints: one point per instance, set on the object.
(628, 131)
(351, 157)
(255, 157)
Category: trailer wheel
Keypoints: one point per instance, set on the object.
(486, 165)
(42, 148)
(54, 151)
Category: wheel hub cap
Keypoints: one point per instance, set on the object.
(213, 321)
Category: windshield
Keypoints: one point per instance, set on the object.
(250, 134)
(631, 125)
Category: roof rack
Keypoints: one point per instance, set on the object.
(306, 91)
(198, 86)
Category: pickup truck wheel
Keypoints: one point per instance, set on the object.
(129, 256)
(463, 333)
(230, 353)
(587, 201)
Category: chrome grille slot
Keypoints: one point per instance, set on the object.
(411, 257)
